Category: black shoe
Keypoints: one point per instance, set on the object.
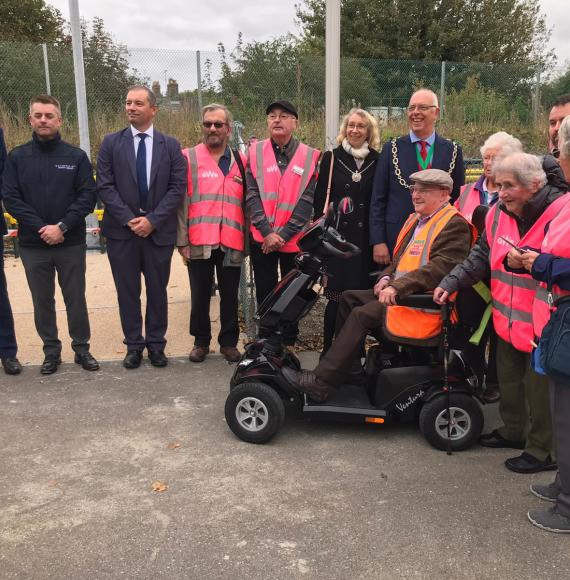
(133, 359)
(497, 441)
(157, 358)
(527, 463)
(491, 394)
(11, 365)
(50, 365)
(87, 361)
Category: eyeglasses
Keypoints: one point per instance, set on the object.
(217, 124)
(423, 190)
(359, 126)
(421, 108)
(275, 116)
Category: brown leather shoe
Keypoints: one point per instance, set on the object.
(307, 382)
(230, 353)
(199, 353)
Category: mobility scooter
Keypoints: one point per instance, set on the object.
(434, 386)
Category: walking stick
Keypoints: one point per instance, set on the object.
(446, 316)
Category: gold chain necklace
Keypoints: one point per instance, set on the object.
(398, 172)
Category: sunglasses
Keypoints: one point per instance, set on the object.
(217, 124)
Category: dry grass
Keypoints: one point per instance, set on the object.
(184, 125)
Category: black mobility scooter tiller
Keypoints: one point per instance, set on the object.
(434, 386)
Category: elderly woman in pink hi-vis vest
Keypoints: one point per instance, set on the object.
(551, 267)
(531, 194)
(484, 192)
(281, 177)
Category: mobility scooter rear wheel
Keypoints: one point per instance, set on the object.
(466, 421)
(254, 412)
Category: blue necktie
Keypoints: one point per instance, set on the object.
(493, 199)
(141, 171)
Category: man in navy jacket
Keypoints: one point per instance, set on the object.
(8, 346)
(48, 187)
(141, 179)
(422, 148)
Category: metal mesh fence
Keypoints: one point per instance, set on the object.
(476, 99)
(491, 96)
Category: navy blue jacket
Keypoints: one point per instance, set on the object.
(118, 190)
(46, 182)
(3, 154)
(391, 203)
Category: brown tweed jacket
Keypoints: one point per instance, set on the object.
(449, 248)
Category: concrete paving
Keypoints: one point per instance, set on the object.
(79, 453)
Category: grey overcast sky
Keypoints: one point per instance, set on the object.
(201, 24)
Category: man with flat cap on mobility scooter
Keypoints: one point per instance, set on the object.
(433, 240)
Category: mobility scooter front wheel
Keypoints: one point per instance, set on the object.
(466, 421)
(254, 412)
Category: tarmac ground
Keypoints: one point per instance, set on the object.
(80, 452)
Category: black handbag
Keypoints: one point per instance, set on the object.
(554, 343)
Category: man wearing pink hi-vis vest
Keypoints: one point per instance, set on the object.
(211, 231)
(281, 179)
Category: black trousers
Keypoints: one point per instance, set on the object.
(266, 268)
(201, 274)
(8, 346)
(41, 265)
(129, 260)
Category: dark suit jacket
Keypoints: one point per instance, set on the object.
(117, 186)
(3, 154)
(391, 203)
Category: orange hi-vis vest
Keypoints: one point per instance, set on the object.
(414, 323)
(215, 211)
(280, 193)
(468, 201)
(556, 242)
(513, 294)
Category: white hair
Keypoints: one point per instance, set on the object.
(564, 138)
(525, 168)
(502, 141)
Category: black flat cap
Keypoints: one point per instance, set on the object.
(283, 104)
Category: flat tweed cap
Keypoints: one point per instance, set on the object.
(433, 177)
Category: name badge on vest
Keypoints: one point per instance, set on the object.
(238, 179)
(298, 170)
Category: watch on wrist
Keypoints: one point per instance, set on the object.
(62, 227)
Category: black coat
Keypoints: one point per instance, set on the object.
(350, 274)
(45, 182)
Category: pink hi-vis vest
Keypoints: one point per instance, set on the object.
(556, 242)
(215, 211)
(467, 201)
(513, 294)
(280, 193)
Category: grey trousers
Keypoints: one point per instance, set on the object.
(560, 407)
(41, 265)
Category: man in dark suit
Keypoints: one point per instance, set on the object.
(141, 179)
(422, 148)
(8, 346)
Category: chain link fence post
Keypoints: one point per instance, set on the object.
(442, 90)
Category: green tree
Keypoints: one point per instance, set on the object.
(488, 31)
(258, 72)
(30, 21)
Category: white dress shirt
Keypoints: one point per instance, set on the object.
(148, 144)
